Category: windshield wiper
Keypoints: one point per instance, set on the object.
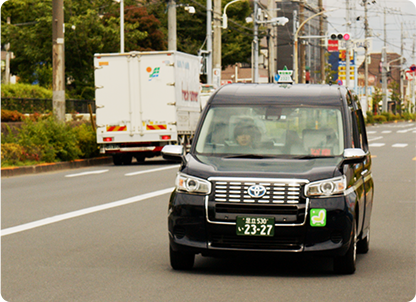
(254, 156)
(311, 156)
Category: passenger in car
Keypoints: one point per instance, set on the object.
(246, 135)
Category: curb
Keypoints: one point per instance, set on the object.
(49, 167)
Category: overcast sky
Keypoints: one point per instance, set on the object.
(398, 12)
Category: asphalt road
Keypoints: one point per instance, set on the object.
(100, 234)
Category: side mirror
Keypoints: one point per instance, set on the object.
(354, 155)
(173, 152)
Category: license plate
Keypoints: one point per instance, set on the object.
(255, 226)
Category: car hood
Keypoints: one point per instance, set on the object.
(310, 169)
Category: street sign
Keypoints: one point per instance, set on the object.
(284, 76)
(333, 45)
(410, 75)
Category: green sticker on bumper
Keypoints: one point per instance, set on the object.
(318, 217)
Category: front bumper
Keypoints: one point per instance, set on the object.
(193, 227)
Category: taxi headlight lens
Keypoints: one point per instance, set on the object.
(191, 184)
(327, 187)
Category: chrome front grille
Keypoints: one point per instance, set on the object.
(278, 191)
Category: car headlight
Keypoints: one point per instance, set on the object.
(191, 184)
(327, 187)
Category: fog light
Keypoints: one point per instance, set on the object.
(107, 139)
(165, 137)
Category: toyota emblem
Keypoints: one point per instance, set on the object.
(256, 191)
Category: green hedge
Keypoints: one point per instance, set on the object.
(47, 141)
(20, 90)
(389, 117)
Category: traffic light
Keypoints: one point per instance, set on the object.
(340, 36)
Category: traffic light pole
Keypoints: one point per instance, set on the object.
(347, 48)
(295, 49)
(366, 52)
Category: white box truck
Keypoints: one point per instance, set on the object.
(144, 101)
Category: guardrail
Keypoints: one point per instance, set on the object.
(32, 105)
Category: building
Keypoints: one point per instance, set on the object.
(281, 38)
(308, 49)
(374, 70)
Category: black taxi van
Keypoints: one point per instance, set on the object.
(274, 168)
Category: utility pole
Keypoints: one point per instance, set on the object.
(302, 44)
(121, 26)
(217, 44)
(401, 63)
(414, 75)
(256, 43)
(294, 59)
(209, 41)
(58, 60)
(384, 65)
(272, 40)
(347, 48)
(172, 25)
(366, 52)
(7, 70)
(322, 48)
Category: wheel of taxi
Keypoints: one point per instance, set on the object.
(346, 264)
(181, 260)
(363, 245)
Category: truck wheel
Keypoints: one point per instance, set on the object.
(117, 160)
(127, 158)
(363, 245)
(346, 264)
(139, 158)
(180, 260)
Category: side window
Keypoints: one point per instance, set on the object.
(359, 134)
(363, 132)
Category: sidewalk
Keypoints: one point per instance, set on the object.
(48, 167)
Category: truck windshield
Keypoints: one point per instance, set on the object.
(261, 131)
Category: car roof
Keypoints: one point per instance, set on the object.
(305, 94)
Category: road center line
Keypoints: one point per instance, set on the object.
(57, 218)
(153, 170)
(86, 173)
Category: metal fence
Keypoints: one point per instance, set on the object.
(32, 105)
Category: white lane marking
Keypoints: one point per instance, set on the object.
(386, 131)
(406, 130)
(376, 145)
(153, 170)
(86, 173)
(399, 145)
(375, 138)
(57, 218)
(371, 132)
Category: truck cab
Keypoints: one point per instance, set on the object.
(274, 168)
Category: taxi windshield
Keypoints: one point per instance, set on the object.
(260, 131)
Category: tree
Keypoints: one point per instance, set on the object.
(90, 27)
(191, 29)
(377, 98)
(93, 26)
(395, 97)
